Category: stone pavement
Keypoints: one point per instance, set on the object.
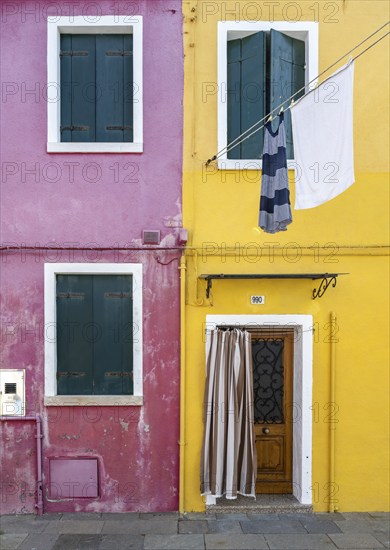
(170, 531)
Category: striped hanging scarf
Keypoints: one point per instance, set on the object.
(275, 210)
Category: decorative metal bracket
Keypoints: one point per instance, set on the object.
(324, 284)
(208, 288)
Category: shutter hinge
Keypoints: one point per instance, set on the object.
(119, 128)
(75, 128)
(67, 374)
(72, 53)
(117, 295)
(70, 295)
(119, 374)
(119, 53)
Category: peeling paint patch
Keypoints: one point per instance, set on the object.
(125, 425)
(69, 437)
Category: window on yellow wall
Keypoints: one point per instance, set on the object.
(260, 66)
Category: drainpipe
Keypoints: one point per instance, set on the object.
(332, 424)
(38, 436)
(182, 442)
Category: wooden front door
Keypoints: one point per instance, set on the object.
(272, 355)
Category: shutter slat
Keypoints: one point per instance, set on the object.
(113, 365)
(74, 350)
(234, 96)
(109, 80)
(128, 89)
(246, 86)
(287, 74)
(253, 88)
(66, 88)
(84, 88)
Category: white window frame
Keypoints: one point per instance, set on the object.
(230, 30)
(107, 24)
(50, 292)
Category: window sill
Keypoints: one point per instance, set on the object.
(93, 400)
(244, 164)
(101, 147)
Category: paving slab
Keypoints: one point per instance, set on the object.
(159, 515)
(235, 542)
(380, 515)
(234, 517)
(198, 515)
(194, 527)
(174, 542)
(224, 526)
(75, 527)
(354, 526)
(318, 526)
(355, 541)
(300, 542)
(77, 542)
(39, 541)
(51, 516)
(264, 517)
(121, 542)
(125, 516)
(379, 525)
(86, 516)
(273, 527)
(297, 517)
(141, 527)
(383, 539)
(356, 515)
(22, 524)
(12, 542)
(331, 516)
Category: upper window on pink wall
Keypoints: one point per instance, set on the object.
(94, 72)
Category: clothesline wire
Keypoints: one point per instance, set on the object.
(240, 138)
(233, 143)
(309, 92)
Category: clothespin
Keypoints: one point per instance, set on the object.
(281, 110)
(269, 119)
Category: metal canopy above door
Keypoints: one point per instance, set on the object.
(327, 279)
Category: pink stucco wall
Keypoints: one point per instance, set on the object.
(87, 201)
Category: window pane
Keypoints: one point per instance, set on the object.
(268, 380)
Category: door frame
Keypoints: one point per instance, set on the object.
(302, 388)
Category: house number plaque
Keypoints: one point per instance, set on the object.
(257, 300)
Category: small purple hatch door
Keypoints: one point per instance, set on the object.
(73, 478)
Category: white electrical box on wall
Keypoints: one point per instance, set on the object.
(12, 392)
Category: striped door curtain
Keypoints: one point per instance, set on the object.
(275, 209)
(229, 461)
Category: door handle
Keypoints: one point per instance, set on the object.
(265, 430)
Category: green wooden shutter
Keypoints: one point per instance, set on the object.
(253, 88)
(113, 348)
(84, 83)
(246, 89)
(287, 75)
(114, 75)
(234, 96)
(66, 87)
(74, 350)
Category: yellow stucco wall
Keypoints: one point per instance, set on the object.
(348, 234)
